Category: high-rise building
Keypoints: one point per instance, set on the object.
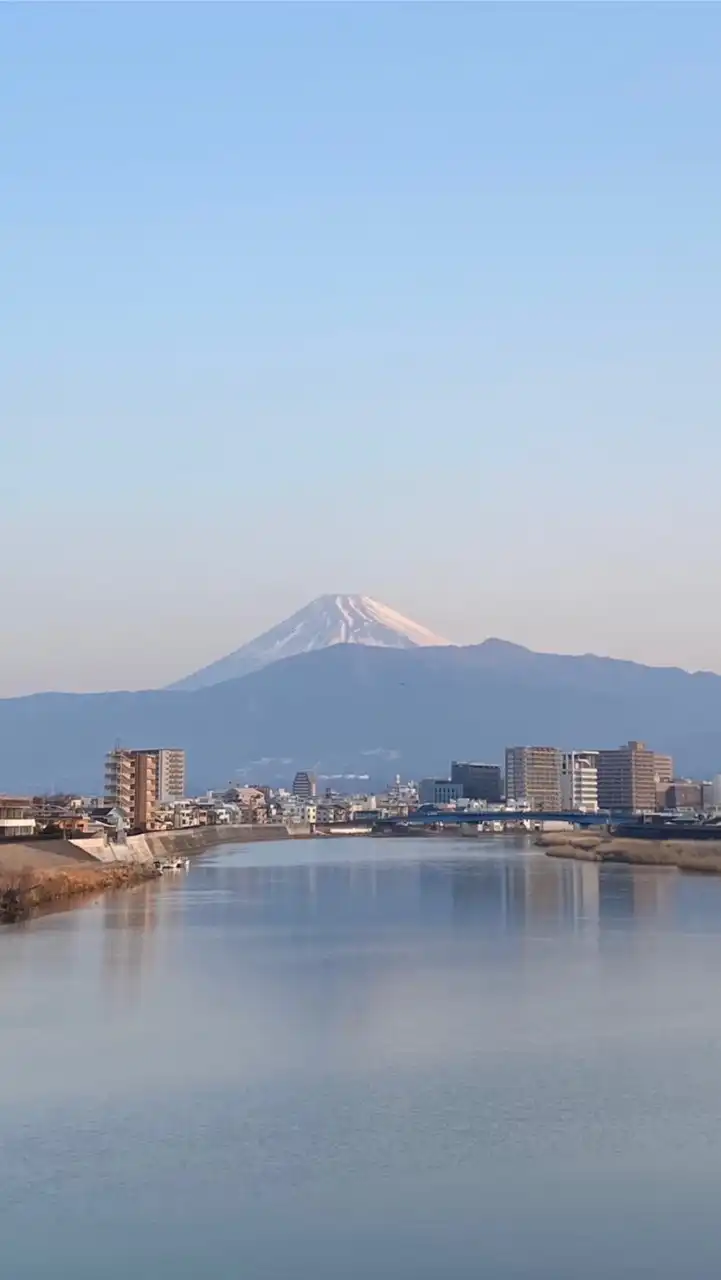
(533, 776)
(304, 785)
(627, 778)
(131, 784)
(579, 781)
(479, 781)
(171, 774)
(663, 777)
(663, 768)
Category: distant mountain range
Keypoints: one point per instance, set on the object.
(360, 708)
(327, 621)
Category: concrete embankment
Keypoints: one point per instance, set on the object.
(187, 842)
(685, 855)
(36, 875)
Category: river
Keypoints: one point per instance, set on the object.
(406, 1059)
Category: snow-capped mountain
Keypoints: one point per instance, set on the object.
(326, 621)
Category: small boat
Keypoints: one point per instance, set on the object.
(172, 864)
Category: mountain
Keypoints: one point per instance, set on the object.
(329, 620)
(359, 709)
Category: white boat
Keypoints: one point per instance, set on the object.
(173, 864)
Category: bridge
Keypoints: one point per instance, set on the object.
(464, 817)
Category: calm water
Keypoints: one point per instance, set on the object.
(366, 1059)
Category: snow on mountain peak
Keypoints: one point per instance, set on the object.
(328, 620)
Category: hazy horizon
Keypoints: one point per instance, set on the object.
(419, 302)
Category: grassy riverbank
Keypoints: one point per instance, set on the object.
(32, 889)
(686, 855)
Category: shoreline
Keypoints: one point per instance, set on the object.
(31, 891)
(680, 855)
(48, 875)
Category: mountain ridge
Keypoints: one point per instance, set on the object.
(354, 709)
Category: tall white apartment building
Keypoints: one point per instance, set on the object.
(171, 774)
(579, 781)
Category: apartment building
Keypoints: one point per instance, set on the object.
(171, 774)
(579, 781)
(663, 776)
(136, 781)
(478, 781)
(663, 769)
(533, 776)
(627, 778)
(16, 817)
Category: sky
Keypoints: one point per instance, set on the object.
(416, 301)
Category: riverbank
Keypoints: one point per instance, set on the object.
(685, 855)
(37, 875)
(25, 892)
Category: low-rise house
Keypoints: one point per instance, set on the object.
(16, 818)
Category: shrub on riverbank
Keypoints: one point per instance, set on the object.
(28, 890)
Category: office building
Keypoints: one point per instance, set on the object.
(627, 779)
(579, 781)
(439, 791)
(304, 785)
(478, 781)
(533, 777)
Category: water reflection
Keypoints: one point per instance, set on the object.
(421, 1061)
(513, 892)
(129, 921)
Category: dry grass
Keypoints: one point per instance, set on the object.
(26, 891)
(686, 855)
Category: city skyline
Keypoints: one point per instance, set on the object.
(362, 298)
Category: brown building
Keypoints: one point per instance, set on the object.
(533, 776)
(131, 784)
(684, 794)
(627, 778)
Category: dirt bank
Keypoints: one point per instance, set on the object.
(26, 891)
(41, 854)
(686, 855)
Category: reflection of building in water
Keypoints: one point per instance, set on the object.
(634, 894)
(519, 893)
(481, 894)
(587, 893)
(129, 921)
(615, 894)
(652, 890)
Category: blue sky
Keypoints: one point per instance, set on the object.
(415, 301)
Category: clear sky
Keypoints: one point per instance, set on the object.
(417, 301)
